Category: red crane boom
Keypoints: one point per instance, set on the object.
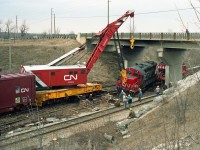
(105, 36)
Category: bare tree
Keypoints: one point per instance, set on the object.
(1, 22)
(44, 34)
(24, 28)
(71, 35)
(1, 27)
(9, 27)
(57, 31)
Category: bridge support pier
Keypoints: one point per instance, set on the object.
(173, 58)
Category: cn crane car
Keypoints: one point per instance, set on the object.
(141, 75)
(17, 91)
(72, 78)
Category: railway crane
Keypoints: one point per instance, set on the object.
(72, 79)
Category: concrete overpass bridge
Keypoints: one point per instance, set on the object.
(169, 48)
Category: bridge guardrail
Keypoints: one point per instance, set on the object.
(154, 36)
(122, 35)
(4, 35)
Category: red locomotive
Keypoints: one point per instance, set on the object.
(143, 75)
(16, 91)
(140, 75)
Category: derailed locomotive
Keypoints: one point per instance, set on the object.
(141, 75)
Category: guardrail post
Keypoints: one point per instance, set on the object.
(161, 36)
(174, 36)
(188, 36)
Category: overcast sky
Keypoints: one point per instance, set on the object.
(92, 15)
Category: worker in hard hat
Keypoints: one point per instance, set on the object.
(132, 42)
(131, 114)
(140, 95)
(130, 100)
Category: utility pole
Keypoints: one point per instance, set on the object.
(16, 30)
(10, 51)
(108, 11)
(54, 24)
(51, 19)
(16, 25)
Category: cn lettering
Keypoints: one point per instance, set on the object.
(24, 90)
(70, 77)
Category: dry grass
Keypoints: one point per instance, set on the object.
(35, 52)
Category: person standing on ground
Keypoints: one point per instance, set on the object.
(130, 100)
(157, 90)
(125, 100)
(121, 95)
(140, 95)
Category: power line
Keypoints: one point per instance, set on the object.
(164, 11)
(142, 13)
(43, 20)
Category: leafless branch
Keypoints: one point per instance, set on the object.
(23, 28)
(195, 10)
(181, 18)
(9, 27)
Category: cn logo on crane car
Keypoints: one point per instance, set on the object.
(70, 77)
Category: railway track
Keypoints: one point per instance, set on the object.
(46, 129)
(34, 115)
(8, 121)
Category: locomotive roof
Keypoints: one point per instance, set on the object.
(145, 66)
